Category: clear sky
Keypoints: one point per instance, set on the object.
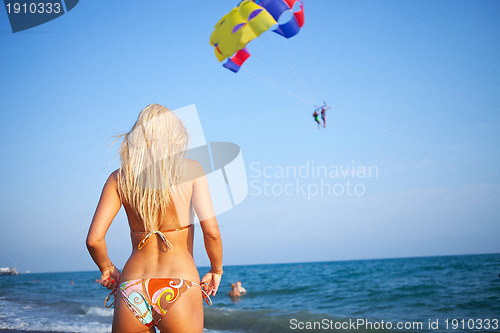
(407, 165)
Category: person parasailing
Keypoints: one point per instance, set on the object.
(316, 117)
(323, 109)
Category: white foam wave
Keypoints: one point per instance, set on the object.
(89, 327)
(99, 311)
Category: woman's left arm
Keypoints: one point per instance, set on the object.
(108, 207)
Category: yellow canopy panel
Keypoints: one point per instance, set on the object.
(239, 27)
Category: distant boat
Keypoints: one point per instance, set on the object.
(8, 271)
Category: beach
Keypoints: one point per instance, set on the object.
(289, 297)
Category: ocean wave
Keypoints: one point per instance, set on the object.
(98, 311)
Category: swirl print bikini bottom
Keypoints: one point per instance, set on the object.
(150, 299)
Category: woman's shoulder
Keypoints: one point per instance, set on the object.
(113, 178)
(194, 168)
(190, 163)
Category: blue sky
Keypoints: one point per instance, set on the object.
(415, 93)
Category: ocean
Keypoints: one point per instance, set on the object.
(425, 294)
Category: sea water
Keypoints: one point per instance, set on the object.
(427, 294)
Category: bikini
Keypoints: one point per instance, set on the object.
(150, 299)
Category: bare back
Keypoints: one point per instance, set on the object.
(173, 257)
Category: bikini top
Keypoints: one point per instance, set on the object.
(162, 236)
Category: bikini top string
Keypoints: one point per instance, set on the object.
(162, 236)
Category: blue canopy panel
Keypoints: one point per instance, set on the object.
(231, 65)
(276, 8)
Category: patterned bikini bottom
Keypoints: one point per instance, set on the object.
(150, 299)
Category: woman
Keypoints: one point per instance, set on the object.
(158, 188)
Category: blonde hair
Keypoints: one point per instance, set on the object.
(152, 163)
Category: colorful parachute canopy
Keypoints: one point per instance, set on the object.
(248, 21)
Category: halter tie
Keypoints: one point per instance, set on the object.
(162, 236)
(159, 233)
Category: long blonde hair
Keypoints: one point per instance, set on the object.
(152, 163)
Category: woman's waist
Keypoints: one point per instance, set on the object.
(142, 265)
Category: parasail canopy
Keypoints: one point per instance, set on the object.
(249, 20)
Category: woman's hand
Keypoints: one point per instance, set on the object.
(210, 282)
(110, 278)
